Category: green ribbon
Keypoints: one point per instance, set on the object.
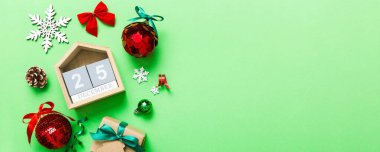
(80, 132)
(106, 133)
(150, 18)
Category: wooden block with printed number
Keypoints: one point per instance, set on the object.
(77, 80)
(100, 72)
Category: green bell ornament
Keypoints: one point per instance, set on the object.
(144, 106)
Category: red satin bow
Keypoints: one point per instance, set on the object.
(162, 81)
(34, 117)
(101, 12)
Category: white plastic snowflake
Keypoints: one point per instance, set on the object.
(154, 90)
(48, 28)
(140, 75)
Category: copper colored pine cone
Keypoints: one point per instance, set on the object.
(36, 77)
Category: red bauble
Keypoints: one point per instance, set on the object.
(139, 39)
(53, 131)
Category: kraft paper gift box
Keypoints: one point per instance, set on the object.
(116, 145)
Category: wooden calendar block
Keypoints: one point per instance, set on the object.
(101, 72)
(96, 68)
(77, 80)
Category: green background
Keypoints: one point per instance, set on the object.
(246, 75)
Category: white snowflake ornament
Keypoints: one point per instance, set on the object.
(154, 90)
(140, 75)
(48, 28)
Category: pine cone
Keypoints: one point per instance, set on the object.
(36, 77)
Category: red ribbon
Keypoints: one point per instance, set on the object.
(101, 12)
(34, 117)
(162, 81)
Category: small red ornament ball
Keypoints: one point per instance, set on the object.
(53, 131)
(139, 39)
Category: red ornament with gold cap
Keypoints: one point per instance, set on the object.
(140, 38)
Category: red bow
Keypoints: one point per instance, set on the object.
(101, 12)
(162, 81)
(34, 117)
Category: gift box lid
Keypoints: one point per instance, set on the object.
(100, 146)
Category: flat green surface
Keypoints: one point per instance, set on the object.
(247, 75)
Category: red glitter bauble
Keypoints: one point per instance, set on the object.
(53, 131)
(139, 39)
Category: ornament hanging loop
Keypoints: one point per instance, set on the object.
(150, 18)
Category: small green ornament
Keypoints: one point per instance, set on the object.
(144, 106)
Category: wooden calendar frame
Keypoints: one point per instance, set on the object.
(81, 54)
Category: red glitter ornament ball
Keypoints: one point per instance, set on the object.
(53, 131)
(139, 39)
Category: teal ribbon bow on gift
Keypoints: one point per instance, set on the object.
(150, 18)
(106, 133)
